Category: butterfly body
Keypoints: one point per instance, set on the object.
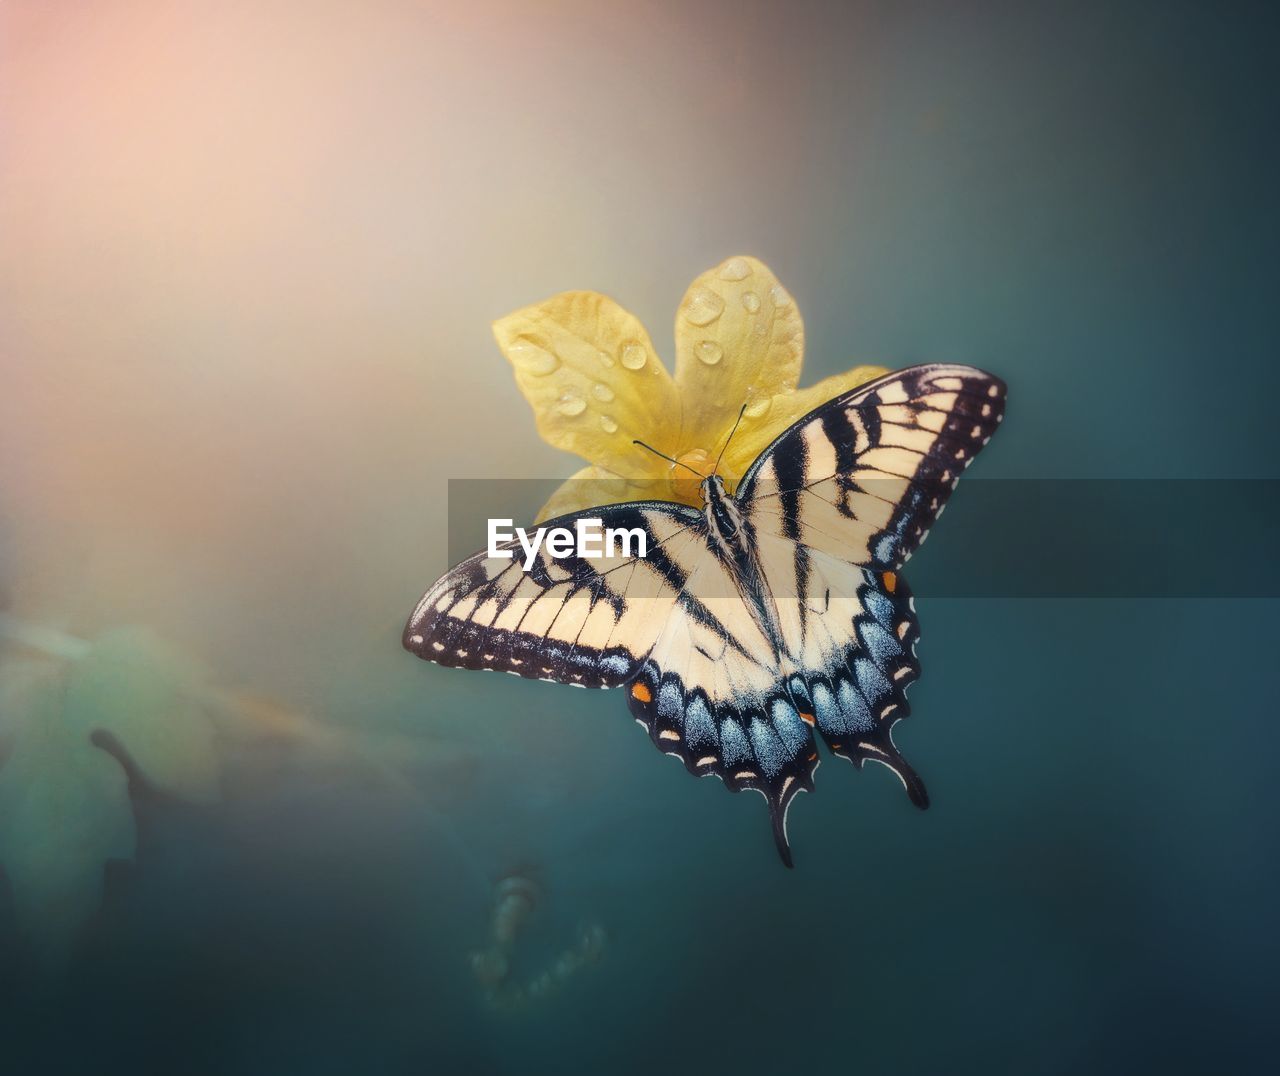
(773, 617)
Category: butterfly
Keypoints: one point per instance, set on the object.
(772, 617)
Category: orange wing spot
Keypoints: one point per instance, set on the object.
(813, 756)
(641, 693)
(890, 581)
(836, 746)
(806, 718)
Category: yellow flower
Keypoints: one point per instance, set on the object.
(595, 383)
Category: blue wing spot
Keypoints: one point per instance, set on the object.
(871, 682)
(882, 646)
(794, 732)
(768, 748)
(825, 708)
(733, 743)
(670, 701)
(857, 715)
(698, 726)
(879, 605)
(616, 664)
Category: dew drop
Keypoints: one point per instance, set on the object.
(735, 269)
(634, 356)
(608, 425)
(758, 407)
(751, 301)
(704, 307)
(606, 360)
(708, 351)
(532, 358)
(602, 392)
(780, 296)
(571, 404)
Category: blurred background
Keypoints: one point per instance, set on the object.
(249, 255)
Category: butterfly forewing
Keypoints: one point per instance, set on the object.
(865, 476)
(588, 622)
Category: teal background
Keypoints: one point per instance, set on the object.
(252, 257)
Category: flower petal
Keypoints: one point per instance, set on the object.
(590, 373)
(594, 486)
(739, 340)
(785, 409)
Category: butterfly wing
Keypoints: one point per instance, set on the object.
(837, 504)
(864, 476)
(586, 622)
(712, 694)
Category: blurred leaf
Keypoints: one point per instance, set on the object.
(64, 802)
(150, 698)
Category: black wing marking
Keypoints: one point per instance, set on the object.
(571, 620)
(865, 476)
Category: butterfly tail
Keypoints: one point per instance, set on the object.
(890, 757)
(778, 815)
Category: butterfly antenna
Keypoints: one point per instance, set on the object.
(667, 458)
(729, 438)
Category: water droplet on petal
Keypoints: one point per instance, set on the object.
(606, 360)
(735, 269)
(634, 356)
(608, 425)
(751, 301)
(532, 358)
(571, 404)
(759, 407)
(704, 307)
(602, 392)
(708, 351)
(780, 296)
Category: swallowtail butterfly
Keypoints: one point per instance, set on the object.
(774, 613)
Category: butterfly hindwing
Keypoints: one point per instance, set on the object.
(714, 699)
